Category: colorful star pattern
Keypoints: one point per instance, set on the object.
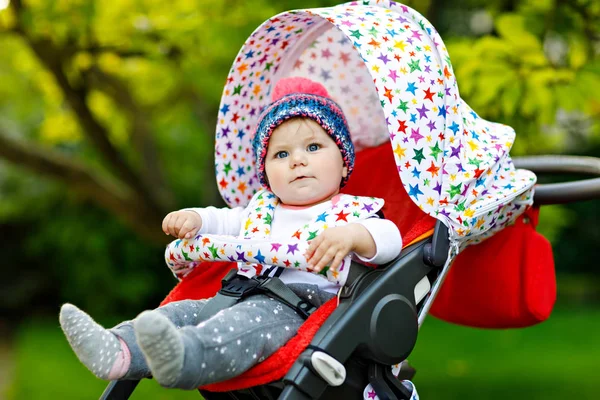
(252, 249)
(390, 72)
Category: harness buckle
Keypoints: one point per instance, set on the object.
(234, 285)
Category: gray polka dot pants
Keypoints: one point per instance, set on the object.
(229, 343)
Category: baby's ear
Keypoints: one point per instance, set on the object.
(344, 172)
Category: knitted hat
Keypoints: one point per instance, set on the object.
(301, 97)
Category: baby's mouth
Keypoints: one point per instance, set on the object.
(301, 177)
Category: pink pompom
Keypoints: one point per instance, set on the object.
(291, 85)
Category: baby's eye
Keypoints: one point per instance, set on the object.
(281, 154)
(313, 147)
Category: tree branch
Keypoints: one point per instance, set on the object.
(51, 57)
(590, 23)
(141, 133)
(206, 115)
(76, 175)
(172, 53)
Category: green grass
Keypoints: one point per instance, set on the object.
(557, 359)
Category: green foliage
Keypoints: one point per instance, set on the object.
(19, 74)
(553, 219)
(517, 74)
(73, 251)
(455, 362)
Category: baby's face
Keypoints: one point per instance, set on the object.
(304, 166)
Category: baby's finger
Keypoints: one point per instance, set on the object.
(187, 230)
(312, 246)
(191, 233)
(176, 224)
(325, 260)
(164, 225)
(170, 223)
(166, 222)
(310, 249)
(316, 256)
(335, 264)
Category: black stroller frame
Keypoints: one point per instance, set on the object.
(366, 307)
(380, 309)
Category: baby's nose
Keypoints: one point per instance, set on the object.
(297, 159)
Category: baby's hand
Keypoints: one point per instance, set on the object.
(330, 248)
(182, 224)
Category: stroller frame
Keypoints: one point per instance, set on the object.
(365, 308)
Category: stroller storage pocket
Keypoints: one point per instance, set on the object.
(507, 281)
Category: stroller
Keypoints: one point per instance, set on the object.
(447, 182)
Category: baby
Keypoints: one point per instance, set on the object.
(304, 155)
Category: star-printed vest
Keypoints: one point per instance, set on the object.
(252, 248)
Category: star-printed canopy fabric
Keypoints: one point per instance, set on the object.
(389, 70)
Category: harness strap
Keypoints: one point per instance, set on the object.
(215, 304)
(236, 287)
(274, 286)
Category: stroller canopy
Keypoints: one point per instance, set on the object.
(390, 72)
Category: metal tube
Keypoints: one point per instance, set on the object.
(566, 192)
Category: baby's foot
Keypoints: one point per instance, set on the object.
(100, 350)
(162, 346)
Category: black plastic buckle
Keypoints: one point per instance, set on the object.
(261, 280)
(235, 285)
(229, 276)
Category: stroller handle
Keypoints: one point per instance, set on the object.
(566, 192)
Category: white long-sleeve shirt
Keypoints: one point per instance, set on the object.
(287, 219)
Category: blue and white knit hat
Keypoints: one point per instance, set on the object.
(302, 97)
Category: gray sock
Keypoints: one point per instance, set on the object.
(97, 348)
(162, 346)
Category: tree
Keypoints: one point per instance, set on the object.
(532, 65)
(107, 96)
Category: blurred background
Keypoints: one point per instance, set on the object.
(107, 116)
